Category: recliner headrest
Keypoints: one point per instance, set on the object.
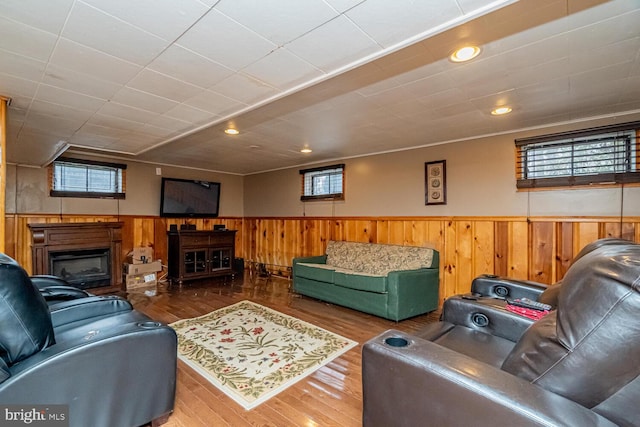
(24, 314)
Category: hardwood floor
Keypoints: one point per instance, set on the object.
(331, 396)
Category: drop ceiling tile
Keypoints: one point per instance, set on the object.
(21, 66)
(214, 103)
(164, 18)
(48, 16)
(325, 47)
(84, 139)
(225, 41)
(546, 50)
(164, 86)
(11, 86)
(615, 53)
(171, 123)
(598, 80)
(282, 69)
(126, 112)
(389, 23)
(25, 40)
(188, 114)
(430, 85)
(443, 98)
(79, 82)
(34, 147)
(61, 96)
(343, 5)
(94, 28)
(604, 33)
(143, 100)
(632, 91)
(83, 59)
(189, 66)
(288, 19)
(469, 6)
(89, 130)
(47, 123)
(154, 133)
(543, 72)
(244, 88)
(59, 110)
(602, 12)
(21, 102)
(115, 122)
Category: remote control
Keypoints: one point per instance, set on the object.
(529, 303)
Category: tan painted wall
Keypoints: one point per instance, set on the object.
(27, 192)
(480, 182)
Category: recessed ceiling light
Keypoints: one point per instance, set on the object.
(499, 111)
(231, 131)
(306, 150)
(465, 54)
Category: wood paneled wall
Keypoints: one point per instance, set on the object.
(538, 249)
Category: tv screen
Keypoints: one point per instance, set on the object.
(187, 198)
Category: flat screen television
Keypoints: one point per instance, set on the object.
(189, 198)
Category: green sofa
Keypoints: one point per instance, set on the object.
(390, 281)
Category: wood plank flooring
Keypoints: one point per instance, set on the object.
(331, 396)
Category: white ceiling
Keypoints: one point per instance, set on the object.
(158, 80)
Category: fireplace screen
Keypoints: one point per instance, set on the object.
(85, 269)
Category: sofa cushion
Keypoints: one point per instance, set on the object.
(360, 281)
(320, 272)
(377, 259)
(24, 314)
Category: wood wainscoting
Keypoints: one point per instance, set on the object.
(538, 249)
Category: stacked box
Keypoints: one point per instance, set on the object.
(134, 281)
(150, 267)
(141, 255)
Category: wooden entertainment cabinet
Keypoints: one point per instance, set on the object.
(197, 254)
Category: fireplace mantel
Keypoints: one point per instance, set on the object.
(48, 238)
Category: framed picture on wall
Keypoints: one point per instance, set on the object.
(435, 176)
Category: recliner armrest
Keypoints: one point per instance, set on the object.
(485, 314)
(63, 293)
(67, 312)
(45, 280)
(406, 386)
(488, 285)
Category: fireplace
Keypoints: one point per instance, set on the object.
(87, 255)
(85, 268)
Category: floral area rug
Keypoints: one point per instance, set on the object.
(252, 353)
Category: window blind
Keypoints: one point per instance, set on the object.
(323, 183)
(594, 156)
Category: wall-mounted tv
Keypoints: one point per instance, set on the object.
(189, 198)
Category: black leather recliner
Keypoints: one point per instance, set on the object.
(112, 365)
(485, 307)
(577, 366)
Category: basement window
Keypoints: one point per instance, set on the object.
(85, 178)
(603, 155)
(324, 183)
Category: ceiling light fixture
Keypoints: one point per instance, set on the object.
(499, 111)
(231, 131)
(306, 150)
(465, 54)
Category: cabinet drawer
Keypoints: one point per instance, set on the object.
(195, 241)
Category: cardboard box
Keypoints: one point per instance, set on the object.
(134, 281)
(150, 267)
(141, 255)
